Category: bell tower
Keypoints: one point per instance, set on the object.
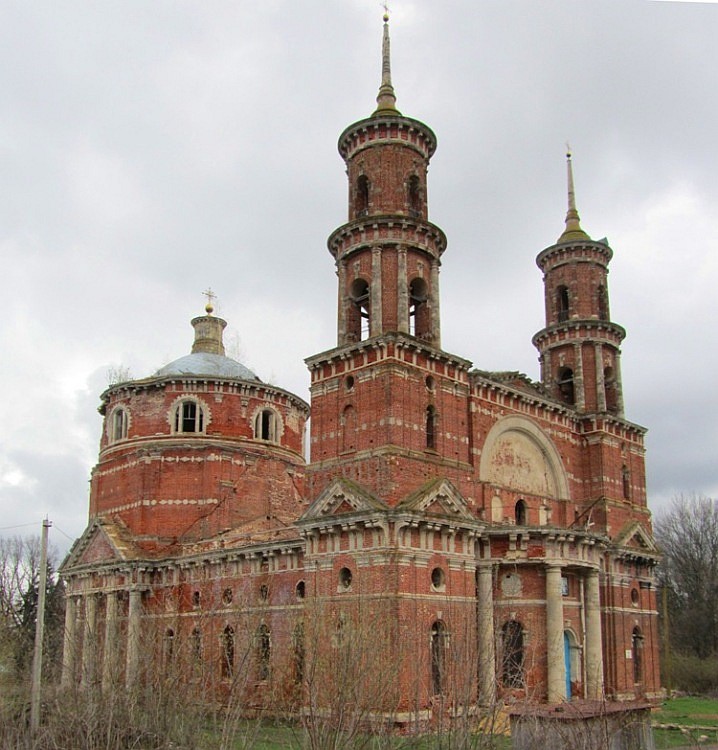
(388, 253)
(388, 404)
(579, 347)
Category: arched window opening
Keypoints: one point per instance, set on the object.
(119, 424)
(349, 428)
(418, 308)
(566, 385)
(562, 304)
(512, 656)
(430, 427)
(637, 654)
(626, 482)
(439, 640)
(265, 426)
(602, 303)
(227, 652)
(263, 652)
(301, 590)
(359, 318)
(414, 196)
(609, 385)
(361, 197)
(520, 513)
(196, 645)
(189, 417)
(299, 653)
(168, 647)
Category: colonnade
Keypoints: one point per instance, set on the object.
(82, 650)
(555, 630)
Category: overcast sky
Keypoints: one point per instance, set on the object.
(149, 150)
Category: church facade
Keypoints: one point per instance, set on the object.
(458, 537)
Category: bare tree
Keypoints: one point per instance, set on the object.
(687, 534)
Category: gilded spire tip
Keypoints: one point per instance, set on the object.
(211, 296)
(573, 229)
(386, 99)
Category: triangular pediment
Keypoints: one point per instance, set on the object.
(438, 497)
(100, 543)
(634, 537)
(342, 497)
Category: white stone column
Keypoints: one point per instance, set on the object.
(579, 390)
(435, 305)
(134, 622)
(69, 649)
(554, 635)
(109, 657)
(619, 385)
(341, 303)
(89, 642)
(487, 641)
(600, 379)
(594, 646)
(375, 322)
(402, 297)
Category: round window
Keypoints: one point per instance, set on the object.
(438, 579)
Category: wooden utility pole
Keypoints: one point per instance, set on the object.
(35, 692)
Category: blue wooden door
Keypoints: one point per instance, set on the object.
(567, 661)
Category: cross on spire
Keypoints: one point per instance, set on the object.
(211, 296)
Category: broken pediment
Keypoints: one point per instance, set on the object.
(438, 497)
(342, 497)
(635, 537)
(101, 542)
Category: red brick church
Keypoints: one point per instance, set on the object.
(464, 536)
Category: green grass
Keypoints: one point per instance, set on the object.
(688, 713)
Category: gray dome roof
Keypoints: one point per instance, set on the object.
(206, 364)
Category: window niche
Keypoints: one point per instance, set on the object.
(266, 426)
(361, 196)
(188, 417)
(119, 422)
(512, 656)
(414, 196)
(562, 304)
(566, 387)
(345, 579)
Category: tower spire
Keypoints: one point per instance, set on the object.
(386, 98)
(573, 229)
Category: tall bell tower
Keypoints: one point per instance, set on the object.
(579, 347)
(388, 404)
(388, 253)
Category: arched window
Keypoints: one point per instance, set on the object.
(512, 656)
(227, 652)
(418, 308)
(439, 640)
(349, 428)
(414, 196)
(265, 425)
(626, 481)
(566, 386)
(359, 318)
(562, 304)
(119, 424)
(299, 653)
(637, 654)
(168, 647)
(361, 198)
(520, 513)
(602, 300)
(263, 651)
(430, 427)
(189, 417)
(196, 644)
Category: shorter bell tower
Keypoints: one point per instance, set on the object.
(579, 347)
